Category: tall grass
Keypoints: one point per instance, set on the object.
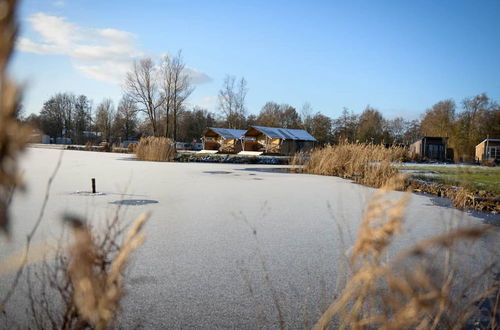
(13, 135)
(419, 288)
(86, 279)
(157, 149)
(367, 164)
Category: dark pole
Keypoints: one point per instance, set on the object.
(93, 185)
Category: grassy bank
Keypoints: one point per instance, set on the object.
(473, 178)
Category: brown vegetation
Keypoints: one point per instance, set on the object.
(370, 165)
(13, 135)
(367, 164)
(419, 288)
(461, 197)
(88, 276)
(157, 149)
(86, 280)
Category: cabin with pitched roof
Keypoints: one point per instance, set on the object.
(224, 140)
(488, 150)
(274, 140)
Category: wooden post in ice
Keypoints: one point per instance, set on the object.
(93, 185)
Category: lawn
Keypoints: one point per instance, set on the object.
(474, 177)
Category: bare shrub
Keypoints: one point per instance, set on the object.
(81, 286)
(158, 149)
(368, 164)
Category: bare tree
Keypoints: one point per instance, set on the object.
(176, 89)
(370, 127)
(306, 113)
(276, 115)
(57, 115)
(345, 126)
(321, 128)
(439, 120)
(125, 124)
(232, 101)
(104, 118)
(141, 85)
(82, 120)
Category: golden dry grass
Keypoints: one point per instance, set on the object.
(157, 149)
(367, 164)
(96, 289)
(416, 289)
(13, 135)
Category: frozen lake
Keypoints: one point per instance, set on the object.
(200, 264)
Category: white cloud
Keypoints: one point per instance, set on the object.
(101, 54)
(197, 77)
(209, 102)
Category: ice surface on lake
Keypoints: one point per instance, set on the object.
(200, 257)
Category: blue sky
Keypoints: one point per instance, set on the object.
(397, 56)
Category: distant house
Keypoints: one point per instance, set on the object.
(273, 140)
(224, 140)
(431, 148)
(488, 150)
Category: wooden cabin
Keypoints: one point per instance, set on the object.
(223, 140)
(488, 150)
(273, 140)
(431, 148)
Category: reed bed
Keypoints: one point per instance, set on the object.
(158, 149)
(367, 164)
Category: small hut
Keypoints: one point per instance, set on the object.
(488, 150)
(224, 140)
(431, 148)
(273, 140)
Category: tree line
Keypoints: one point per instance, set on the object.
(154, 102)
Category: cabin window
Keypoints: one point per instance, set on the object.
(493, 153)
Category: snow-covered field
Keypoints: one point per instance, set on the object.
(200, 264)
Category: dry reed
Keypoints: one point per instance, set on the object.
(157, 149)
(97, 289)
(416, 289)
(86, 278)
(13, 135)
(367, 164)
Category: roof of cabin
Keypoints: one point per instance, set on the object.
(489, 140)
(228, 133)
(284, 133)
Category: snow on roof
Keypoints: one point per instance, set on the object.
(285, 133)
(228, 133)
